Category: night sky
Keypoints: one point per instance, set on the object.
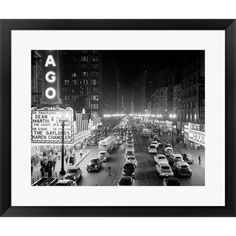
(127, 67)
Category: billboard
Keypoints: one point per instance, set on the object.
(51, 80)
(46, 125)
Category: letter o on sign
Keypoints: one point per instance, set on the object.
(50, 93)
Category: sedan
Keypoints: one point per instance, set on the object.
(126, 181)
(94, 165)
(164, 170)
(66, 182)
(182, 169)
(160, 158)
(188, 158)
(171, 182)
(152, 149)
(155, 143)
(131, 159)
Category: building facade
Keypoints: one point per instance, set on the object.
(81, 80)
(192, 102)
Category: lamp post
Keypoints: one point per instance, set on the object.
(63, 120)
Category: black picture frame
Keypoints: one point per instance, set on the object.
(6, 26)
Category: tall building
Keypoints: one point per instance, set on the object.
(159, 101)
(36, 78)
(81, 80)
(193, 88)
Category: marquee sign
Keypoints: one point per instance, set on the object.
(197, 137)
(46, 125)
(51, 83)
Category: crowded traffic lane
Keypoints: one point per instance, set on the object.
(104, 177)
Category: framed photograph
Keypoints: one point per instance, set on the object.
(117, 117)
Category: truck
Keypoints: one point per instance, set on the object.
(146, 133)
(108, 144)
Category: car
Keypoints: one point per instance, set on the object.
(164, 169)
(172, 181)
(130, 144)
(126, 181)
(156, 138)
(155, 143)
(168, 152)
(74, 173)
(103, 155)
(131, 159)
(129, 169)
(177, 157)
(182, 169)
(66, 182)
(129, 150)
(94, 165)
(152, 149)
(168, 145)
(188, 158)
(160, 158)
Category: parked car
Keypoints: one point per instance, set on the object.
(160, 158)
(188, 158)
(182, 169)
(73, 173)
(164, 170)
(152, 149)
(129, 169)
(131, 159)
(155, 143)
(65, 182)
(172, 181)
(103, 155)
(174, 158)
(126, 181)
(94, 165)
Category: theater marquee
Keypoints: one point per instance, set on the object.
(46, 125)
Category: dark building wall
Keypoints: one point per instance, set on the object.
(193, 88)
(81, 80)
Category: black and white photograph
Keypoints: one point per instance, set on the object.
(118, 118)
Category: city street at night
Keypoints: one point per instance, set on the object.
(118, 118)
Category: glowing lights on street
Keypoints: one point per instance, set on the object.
(114, 115)
(172, 116)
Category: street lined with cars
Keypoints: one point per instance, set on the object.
(134, 157)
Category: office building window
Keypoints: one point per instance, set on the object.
(93, 82)
(66, 97)
(66, 82)
(84, 58)
(75, 82)
(94, 74)
(94, 58)
(74, 75)
(94, 106)
(85, 74)
(94, 97)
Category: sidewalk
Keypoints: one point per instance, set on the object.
(36, 171)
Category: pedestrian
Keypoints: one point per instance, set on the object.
(199, 159)
(81, 153)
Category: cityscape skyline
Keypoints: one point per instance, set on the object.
(130, 81)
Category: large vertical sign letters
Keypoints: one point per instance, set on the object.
(51, 82)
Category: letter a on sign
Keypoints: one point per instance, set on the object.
(51, 78)
(50, 61)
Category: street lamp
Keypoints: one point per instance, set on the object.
(63, 119)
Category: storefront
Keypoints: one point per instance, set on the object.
(194, 135)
